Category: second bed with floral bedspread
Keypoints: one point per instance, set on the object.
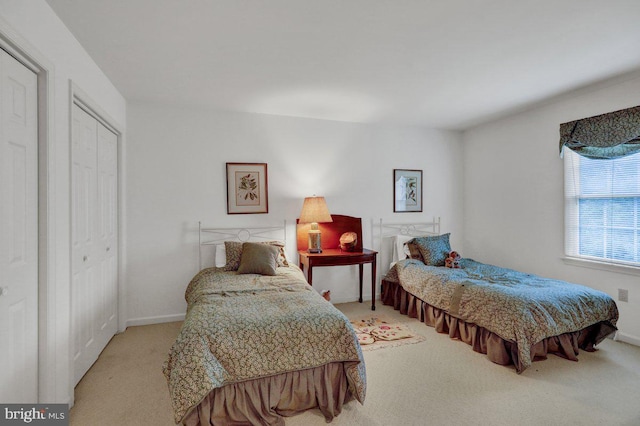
(522, 309)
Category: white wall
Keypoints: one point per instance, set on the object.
(514, 199)
(34, 27)
(176, 177)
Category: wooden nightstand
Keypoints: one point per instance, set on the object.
(337, 257)
(332, 255)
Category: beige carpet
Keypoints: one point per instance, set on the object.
(437, 382)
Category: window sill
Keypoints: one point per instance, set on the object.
(603, 266)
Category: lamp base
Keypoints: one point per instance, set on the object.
(315, 245)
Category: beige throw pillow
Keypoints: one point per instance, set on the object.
(233, 251)
(258, 259)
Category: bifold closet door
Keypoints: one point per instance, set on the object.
(18, 232)
(94, 239)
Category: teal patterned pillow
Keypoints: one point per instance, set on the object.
(434, 250)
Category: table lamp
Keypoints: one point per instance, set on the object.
(314, 210)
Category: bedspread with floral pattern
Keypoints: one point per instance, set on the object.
(243, 327)
(518, 307)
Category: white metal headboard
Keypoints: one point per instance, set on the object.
(410, 229)
(388, 230)
(215, 236)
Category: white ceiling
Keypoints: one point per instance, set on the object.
(434, 63)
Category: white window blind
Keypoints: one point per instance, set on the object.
(602, 208)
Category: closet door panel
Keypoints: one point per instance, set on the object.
(108, 226)
(83, 230)
(94, 238)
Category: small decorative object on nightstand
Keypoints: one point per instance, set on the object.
(348, 241)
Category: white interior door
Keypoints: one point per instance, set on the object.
(108, 230)
(94, 239)
(18, 232)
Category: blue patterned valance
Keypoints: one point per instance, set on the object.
(605, 136)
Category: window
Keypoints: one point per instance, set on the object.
(602, 208)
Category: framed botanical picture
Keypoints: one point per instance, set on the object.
(247, 188)
(407, 190)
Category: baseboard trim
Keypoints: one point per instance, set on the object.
(154, 320)
(626, 338)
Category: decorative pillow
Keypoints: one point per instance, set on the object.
(282, 256)
(434, 250)
(414, 251)
(258, 258)
(233, 251)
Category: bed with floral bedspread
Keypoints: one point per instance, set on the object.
(511, 316)
(256, 348)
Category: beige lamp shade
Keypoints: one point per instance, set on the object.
(315, 210)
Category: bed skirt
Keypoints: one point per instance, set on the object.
(266, 401)
(497, 349)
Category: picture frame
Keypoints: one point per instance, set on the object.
(247, 188)
(407, 190)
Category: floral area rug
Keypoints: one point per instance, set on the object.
(378, 332)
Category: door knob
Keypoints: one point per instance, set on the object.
(84, 259)
(108, 248)
(4, 291)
